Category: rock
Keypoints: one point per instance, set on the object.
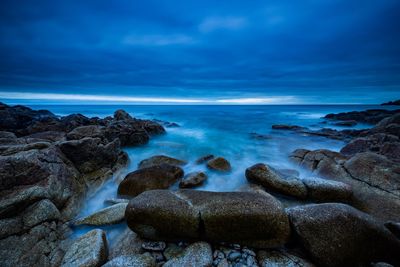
(130, 133)
(371, 116)
(267, 177)
(391, 103)
(172, 251)
(394, 228)
(192, 215)
(154, 246)
(126, 244)
(160, 159)
(280, 258)
(219, 164)
(234, 255)
(89, 154)
(372, 177)
(8, 135)
(113, 201)
(107, 216)
(193, 179)
(50, 136)
(88, 250)
(258, 136)
(323, 190)
(121, 114)
(340, 235)
(286, 173)
(196, 255)
(138, 260)
(39, 212)
(287, 127)
(154, 177)
(381, 264)
(204, 159)
(93, 131)
(349, 123)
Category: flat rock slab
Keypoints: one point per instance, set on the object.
(89, 250)
(107, 216)
(254, 219)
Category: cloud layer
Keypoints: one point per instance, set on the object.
(315, 51)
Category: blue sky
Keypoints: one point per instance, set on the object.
(221, 52)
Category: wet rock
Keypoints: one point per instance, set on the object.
(113, 201)
(160, 159)
(267, 177)
(107, 216)
(126, 244)
(121, 114)
(394, 227)
(381, 264)
(258, 136)
(193, 179)
(192, 215)
(89, 154)
(138, 260)
(8, 135)
(154, 177)
(172, 251)
(154, 245)
(281, 258)
(196, 255)
(371, 116)
(88, 250)
(287, 127)
(93, 131)
(129, 133)
(39, 212)
(391, 103)
(288, 173)
(204, 159)
(323, 190)
(349, 123)
(340, 235)
(219, 164)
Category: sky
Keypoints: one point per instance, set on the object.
(200, 52)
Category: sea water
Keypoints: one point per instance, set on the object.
(227, 131)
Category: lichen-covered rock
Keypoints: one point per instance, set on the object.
(340, 235)
(267, 177)
(196, 255)
(160, 159)
(89, 250)
(107, 216)
(154, 177)
(257, 220)
(219, 164)
(193, 179)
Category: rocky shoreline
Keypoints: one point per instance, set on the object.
(347, 215)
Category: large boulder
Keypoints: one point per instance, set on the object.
(219, 164)
(340, 235)
(134, 260)
(160, 159)
(196, 255)
(89, 250)
(265, 176)
(323, 190)
(257, 220)
(154, 177)
(121, 115)
(107, 216)
(127, 132)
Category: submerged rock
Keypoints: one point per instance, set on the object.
(204, 159)
(192, 215)
(196, 255)
(160, 159)
(88, 250)
(267, 177)
(193, 179)
(154, 177)
(349, 123)
(340, 235)
(280, 258)
(107, 216)
(219, 164)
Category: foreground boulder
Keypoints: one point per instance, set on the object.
(154, 177)
(107, 216)
(196, 255)
(265, 176)
(91, 249)
(340, 235)
(134, 260)
(160, 159)
(193, 215)
(219, 164)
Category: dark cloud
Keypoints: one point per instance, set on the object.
(316, 49)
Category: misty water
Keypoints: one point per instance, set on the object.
(226, 131)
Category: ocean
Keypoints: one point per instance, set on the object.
(227, 131)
